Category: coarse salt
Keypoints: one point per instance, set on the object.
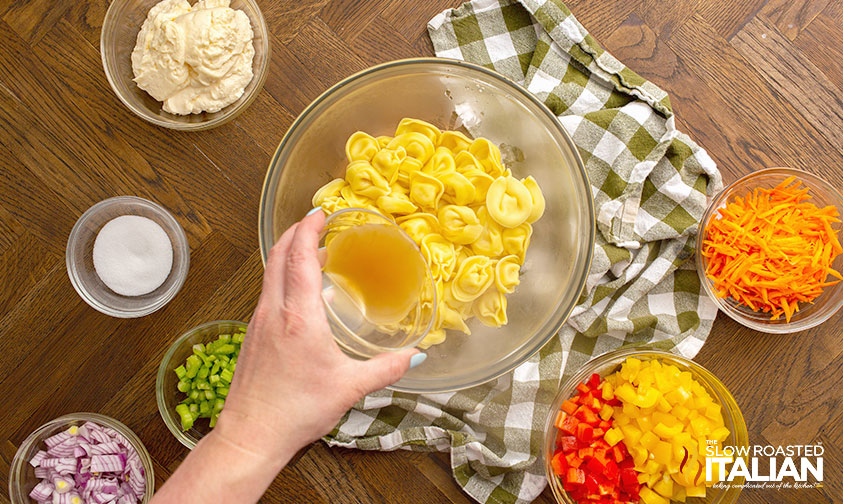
(133, 255)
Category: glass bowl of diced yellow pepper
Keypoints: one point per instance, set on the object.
(639, 425)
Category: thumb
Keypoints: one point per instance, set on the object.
(384, 369)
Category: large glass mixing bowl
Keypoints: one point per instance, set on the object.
(453, 95)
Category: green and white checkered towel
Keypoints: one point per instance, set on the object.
(650, 184)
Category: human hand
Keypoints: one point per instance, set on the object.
(293, 383)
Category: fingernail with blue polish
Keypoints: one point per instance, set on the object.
(313, 211)
(417, 359)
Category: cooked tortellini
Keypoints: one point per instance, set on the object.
(455, 198)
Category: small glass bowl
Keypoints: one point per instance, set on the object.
(810, 314)
(80, 263)
(120, 28)
(22, 476)
(609, 363)
(166, 393)
(349, 326)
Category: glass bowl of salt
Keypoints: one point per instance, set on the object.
(127, 256)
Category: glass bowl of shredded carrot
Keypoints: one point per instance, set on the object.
(770, 253)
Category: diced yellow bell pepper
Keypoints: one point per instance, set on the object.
(700, 426)
(680, 412)
(664, 487)
(665, 432)
(662, 452)
(649, 440)
(650, 497)
(720, 434)
(631, 410)
(634, 365)
(625, 393)
(645, 377)
(639, 455)
(654, 478)
(608, 392)
(646, 397)
(613, 436)
(631, 434)
(622, 420)
(663, 406)
(679, 493)
(695, 491)
(645, 423)
(665, 418)
(606, 412)
(643, 477)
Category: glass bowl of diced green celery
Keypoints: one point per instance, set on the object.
(194, 378)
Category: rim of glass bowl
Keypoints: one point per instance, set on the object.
(770, 327)
(163, 409)
(267, 194)
(711, 382)
(337, 322)
(260, 74)
(73, 243)
(20, 464)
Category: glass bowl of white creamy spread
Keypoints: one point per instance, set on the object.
(185, 64)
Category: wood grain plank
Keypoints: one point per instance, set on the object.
(22, 266)
(820, 42)
(791, 16)
(700, 112)
(317, 39)
(86, 17)
(410, 18)
(10, 228)
(381, 42)
(33, 19)
(727, 18)
(664, 17)
(290, 82)
(795, 78)
(347, 18)
(265, 121)
(770, 115)
(286, 19)
(602, 17)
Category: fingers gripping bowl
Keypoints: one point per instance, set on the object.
(451, 95)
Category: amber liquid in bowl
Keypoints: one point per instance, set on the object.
(379, 269)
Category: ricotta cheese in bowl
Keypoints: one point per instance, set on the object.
(195, 58)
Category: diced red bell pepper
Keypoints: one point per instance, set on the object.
(575, 476)
(559, 464)
(583, 388)
(591, 484)
(569, 425)
(611, 470)
(627, 463)
(629, 480)
(585, 433)
(620, 452)
(587, 415)
(597, 433)
(569, 407)
(605, 425)
(595, 466)
(594, 381)
(567, 443)
(584, 453)
(573, 459)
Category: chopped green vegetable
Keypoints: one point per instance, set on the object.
(205, 378)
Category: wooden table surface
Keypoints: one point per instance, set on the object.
(758, 83)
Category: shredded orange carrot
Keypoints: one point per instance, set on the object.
(772, 249)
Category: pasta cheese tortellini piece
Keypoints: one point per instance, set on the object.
(454, 141)
(509, 202)
(383, 141)
(418, 225)
(450, 318)
(516, 240)
(418, 146)
(387, 162)
(356, 200)
(330, 190)
(361, 146)
(507, 272)
(408, 125)
(474, 276)
(488, 156)
(490, 241)
(441, 162)
(434, 337)
(490, 308)
(440, 256)
(538, 199)
(458, 189)
(334, 203)
(365, 180)
(396, 203)
(459, 224)
(425, 190)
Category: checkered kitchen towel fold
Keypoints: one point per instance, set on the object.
(650, 185)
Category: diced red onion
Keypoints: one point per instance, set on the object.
(37, 458)
(42, 491)
(56, 439)
(42, 472)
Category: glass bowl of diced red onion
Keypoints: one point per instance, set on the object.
(81, 458)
